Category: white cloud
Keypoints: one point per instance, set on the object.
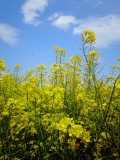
(99, 3)
(8, 34)
(54, 16)
(107, 29)
(31, 11)
(63, 22)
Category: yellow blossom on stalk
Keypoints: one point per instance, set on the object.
(76, 60)
(12, 124)
(60, 50)
(105, 135)
(7, 77)
(5, 113)
(11, 101)
(93, 53)
(114, 66)
(118, 86)
(55, 67)
(72, 144)
(29, 72)
(33, 131)
(110, 77)
(118, 58)
(64, 123)
(2, 65)
(88, 36)
(17, 66)
(31, 142)
(86, 136)
(41, 144)
(41, 66)
(75, 131)
(32, 154)
(35, 147)
(118, 66)
(33, 79)
(61, 138)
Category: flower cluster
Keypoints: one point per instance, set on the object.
(88, 36)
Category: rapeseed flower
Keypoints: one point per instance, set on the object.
(17, 66)
(118, 58)
(110, 77)
(93, 53)
(72, 144)
(75, 131)
(64, 124)
(5, 113)
(105, 135)
(76, 60)
(2, 65)
(118, 86)
(33, 131)
(60, 50)
(30, 72)
(88, 36)
(114, 66)
(86, 136)
(55, 67)
(41, 66)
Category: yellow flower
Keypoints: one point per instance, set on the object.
(35, 147)
(113, 66)
(2, 65)
(72, 144)
(86, 136)
(88, 36)
(76, 60)
(41, 66)
(17, 66)
(118, 58)
(41, 144)
(5, 113)
(118, 66)
(105, 135)
(60, 50)
(55, 67)
(118, 86)
(33, 131)
(76, 131)
(93, 53)
(31, 142)
(110, 77)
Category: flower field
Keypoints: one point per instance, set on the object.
(72, 114)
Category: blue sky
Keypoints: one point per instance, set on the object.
(29, 30)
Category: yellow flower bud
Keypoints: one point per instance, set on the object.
(88, 36)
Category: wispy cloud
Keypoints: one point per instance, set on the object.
(99, 3)
(8, 34)
(32, 9)
(63, 22)
(107, 29)
(54, 16)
